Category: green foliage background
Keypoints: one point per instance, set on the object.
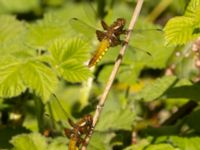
(43, 55)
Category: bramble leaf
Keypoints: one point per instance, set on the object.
(18, 5)
(39, 78)
(156, 89)
(62, 50)
(74, 72)
(33, 141)
(160, 147)
(192, 9)
(11, 83)
(179, 30)
(69, 58)
(186, 143)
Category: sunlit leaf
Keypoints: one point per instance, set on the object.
(9, 28)
(11, 82)
(74, 72)
(179, 30)
(100, 141)
(39, 78)
(18, 5)
(161, 147)
(62, 50)
(58, 144)
(33, 141)
(186, 143)
(43, 32)
(192, 9)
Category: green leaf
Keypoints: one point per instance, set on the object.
(10, 28)
(74, 72)
(156, 89)
(193, 120)
(185, 91)
(116, 120)
(179, 30)
(43, 32)
(186, 143)
(11, 82)
(115, 117)
(160, 147)
(63, 50)
(18, 5)
(192, 9)
(33, 141)
(39, 78)
(59, 143)
(100, 141)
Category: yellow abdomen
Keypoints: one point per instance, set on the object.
(72, 145)
(98, 54)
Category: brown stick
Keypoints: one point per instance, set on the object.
(115, 68)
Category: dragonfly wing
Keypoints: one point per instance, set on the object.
(100, 35)
(68, 132)
(115, 41)
(82, 27)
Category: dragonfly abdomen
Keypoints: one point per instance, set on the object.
(98, 54)
(72, 145)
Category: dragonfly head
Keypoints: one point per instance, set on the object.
(121, 22)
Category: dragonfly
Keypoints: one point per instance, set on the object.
(109, 37)
(79, 131)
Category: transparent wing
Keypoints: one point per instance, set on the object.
(82, 27)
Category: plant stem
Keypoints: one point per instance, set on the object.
(158, 10)
(115, 69)
(39, 113)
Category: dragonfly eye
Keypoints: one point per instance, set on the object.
(121, 21)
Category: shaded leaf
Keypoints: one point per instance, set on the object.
(193, 120)
(7, 132)
(156, 89)
(185, 91)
